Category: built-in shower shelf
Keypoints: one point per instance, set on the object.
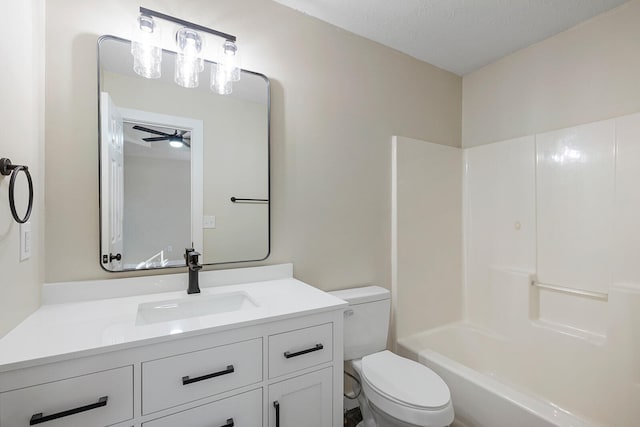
(589, 336)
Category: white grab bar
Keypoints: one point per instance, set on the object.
(589, 294)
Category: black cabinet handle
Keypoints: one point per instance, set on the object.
(39, 418)
(229, 423)
(289, 355)
(186, 380)
(277, 406)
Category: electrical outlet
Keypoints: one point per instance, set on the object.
(25, 241)
(209, 221)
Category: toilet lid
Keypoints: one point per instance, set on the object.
(405, 381)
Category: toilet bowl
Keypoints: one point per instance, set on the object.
(395, 391)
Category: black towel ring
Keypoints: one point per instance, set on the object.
(6, 168)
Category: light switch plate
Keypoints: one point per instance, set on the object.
(25, 241)
(209, 221)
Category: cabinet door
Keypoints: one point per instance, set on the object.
(302, 401)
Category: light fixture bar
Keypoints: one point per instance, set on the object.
(191, 25)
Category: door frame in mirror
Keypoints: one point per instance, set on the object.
(196, 128)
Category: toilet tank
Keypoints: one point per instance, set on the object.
(366, 320)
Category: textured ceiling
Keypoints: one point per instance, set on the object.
(456, 35)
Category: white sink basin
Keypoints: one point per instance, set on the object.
(193, 306)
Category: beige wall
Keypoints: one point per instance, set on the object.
(336, 101)
(588, 73)
(22, 113)
(427, 230)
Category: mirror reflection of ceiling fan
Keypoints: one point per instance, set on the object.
(176, 139)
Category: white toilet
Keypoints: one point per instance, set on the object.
(396, 392)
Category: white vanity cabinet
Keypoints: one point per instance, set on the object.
(107, 362)
(220, 379)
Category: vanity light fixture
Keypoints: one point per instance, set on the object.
(189, 59)
(147, 54)
(220, 81)
(230, 60)
(189, 62)
(226, 70)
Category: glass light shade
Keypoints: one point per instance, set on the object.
(220, 81)
(230, 59)
(147, 55)
(189, 61)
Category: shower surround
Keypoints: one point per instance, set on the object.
(550, 324)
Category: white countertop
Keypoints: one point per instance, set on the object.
(67, 330)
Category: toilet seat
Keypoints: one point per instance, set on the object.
(406, 390)
(405, 381)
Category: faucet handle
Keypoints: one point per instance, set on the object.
(191, 257)
(187, 255)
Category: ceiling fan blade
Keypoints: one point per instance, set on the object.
(156, 132)
(157, 138)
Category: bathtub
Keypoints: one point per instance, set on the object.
(496, 382)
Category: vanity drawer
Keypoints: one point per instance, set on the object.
(186, 377)
(242, 410)
(295, 350)
(99, 399)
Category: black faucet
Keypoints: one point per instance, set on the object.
(192, 262)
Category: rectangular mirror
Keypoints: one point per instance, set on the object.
(180, 167)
